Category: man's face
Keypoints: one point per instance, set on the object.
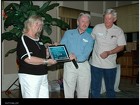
(109, 20)
(83, 23)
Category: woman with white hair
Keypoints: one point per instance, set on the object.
(31, 54)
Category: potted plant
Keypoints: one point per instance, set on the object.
(15, 14)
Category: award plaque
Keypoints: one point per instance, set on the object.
(59, 53)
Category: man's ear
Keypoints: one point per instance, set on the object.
(115, 19)
(77, 23)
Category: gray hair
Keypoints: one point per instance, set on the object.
(32, 19)
(84, 14)
(111, 11)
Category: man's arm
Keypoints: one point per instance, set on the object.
(105, 54)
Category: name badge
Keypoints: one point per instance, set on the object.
(40, 43)
(85, 40)
(100, 34)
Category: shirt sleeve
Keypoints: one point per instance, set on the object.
(64, 38)
(93, 33)
(21, 52)
(121, 38)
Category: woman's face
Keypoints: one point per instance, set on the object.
(37, 27)
(83, 23)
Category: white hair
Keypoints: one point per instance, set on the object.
(84, 14)
(32, 19)
(111, 11)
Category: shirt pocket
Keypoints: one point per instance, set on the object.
(113, 39)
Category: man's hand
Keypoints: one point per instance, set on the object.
(72, 56)
(105, 54)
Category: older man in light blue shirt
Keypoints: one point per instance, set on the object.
(79, 44)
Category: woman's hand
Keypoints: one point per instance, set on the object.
(51, 62)
(56, 43)
(47, 53)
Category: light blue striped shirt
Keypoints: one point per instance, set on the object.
(79, 44)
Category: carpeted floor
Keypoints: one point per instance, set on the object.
(128, 95)
(127, 90)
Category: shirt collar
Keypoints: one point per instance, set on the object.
(79, 32)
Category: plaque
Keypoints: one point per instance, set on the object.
(59, 53)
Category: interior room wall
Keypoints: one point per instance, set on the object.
(74, 4)
(128, 14)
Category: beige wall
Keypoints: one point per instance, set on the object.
(74, 4)
(96, 8)
(93, 5)
(121, 3)
(110, 4)
(128, 17)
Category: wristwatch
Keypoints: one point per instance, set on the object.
(45, 62)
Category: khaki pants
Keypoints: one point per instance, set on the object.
(77, 79)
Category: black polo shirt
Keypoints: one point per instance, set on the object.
(37, 49)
